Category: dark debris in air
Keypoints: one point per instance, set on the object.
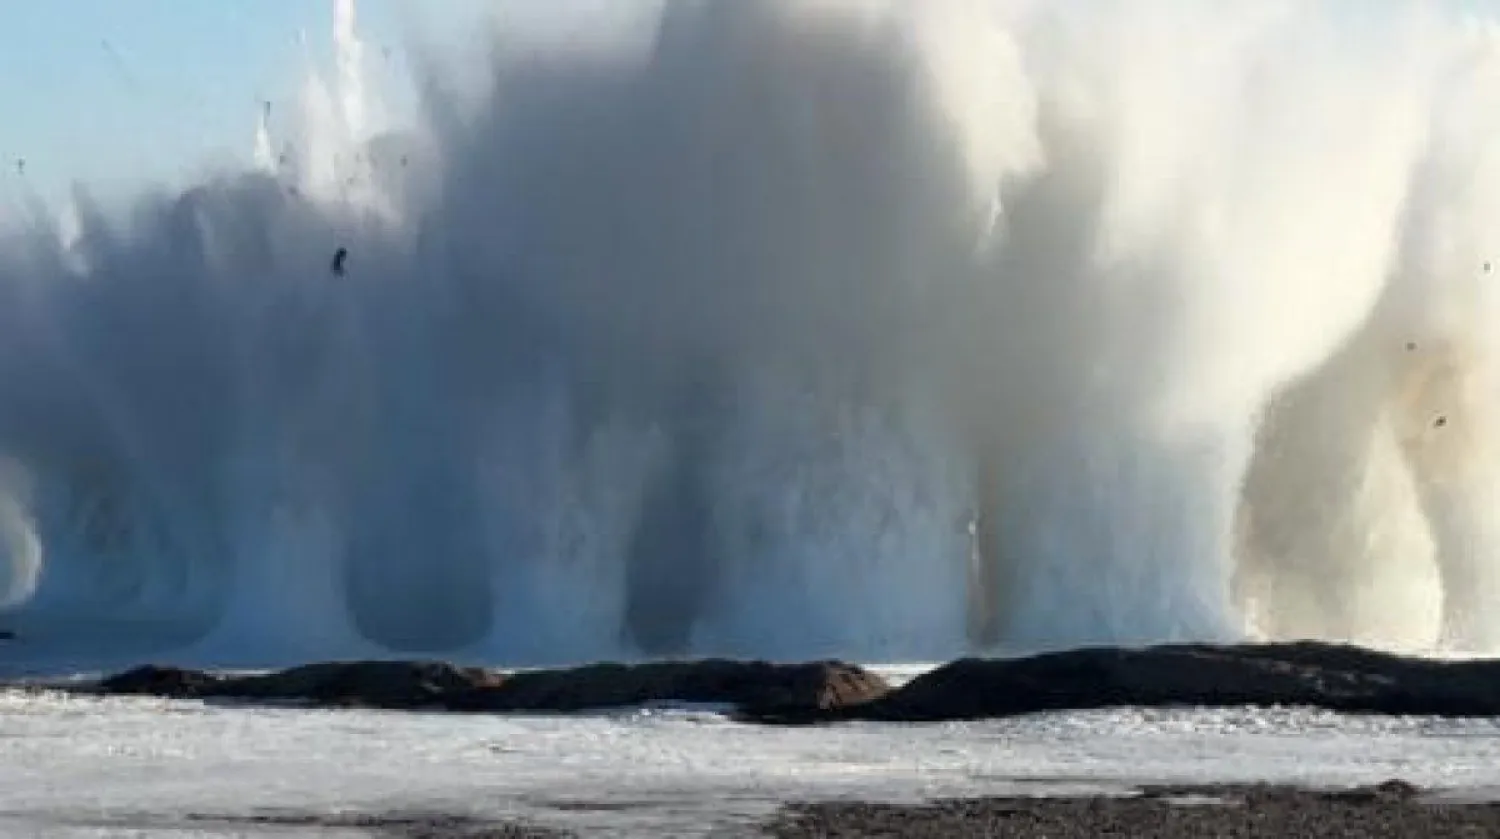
(1440, 422)
(340, 258)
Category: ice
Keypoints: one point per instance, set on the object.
(75, 766)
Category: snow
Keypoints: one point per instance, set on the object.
(74, 766)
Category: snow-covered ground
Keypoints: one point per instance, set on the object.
(72, 766)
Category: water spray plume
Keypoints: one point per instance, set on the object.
(875, 329)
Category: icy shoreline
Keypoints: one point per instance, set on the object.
(675, 768)
(659, 772)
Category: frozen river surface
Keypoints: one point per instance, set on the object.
(74, 766)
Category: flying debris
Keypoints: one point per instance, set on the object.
(1440, 422)
(340, 257)
(122, 68)
(1489, 267)
(1411, 346)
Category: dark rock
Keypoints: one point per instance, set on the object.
(375, 684)
(815, 686)
(1332, 677)
(819, 686)
(1393, 790)
(1338, 678)
(154, 680)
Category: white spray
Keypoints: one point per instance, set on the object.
(720, 344)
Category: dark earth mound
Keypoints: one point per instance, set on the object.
(416, 685)
(1338, 678)
(1394, 809)
(404, 685)
(819, 686)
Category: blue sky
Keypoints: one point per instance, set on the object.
(116, 92)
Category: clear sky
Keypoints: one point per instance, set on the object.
(114, 92)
